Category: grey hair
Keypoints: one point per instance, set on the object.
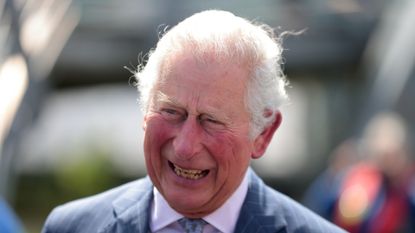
(231, 39)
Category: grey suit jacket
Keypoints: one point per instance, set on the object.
(127, 208)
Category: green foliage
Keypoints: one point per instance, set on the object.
(88, 175)
(37, 194)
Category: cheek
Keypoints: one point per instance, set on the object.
(157, 133)
(232, 156)
(230, 151)
(157, 130)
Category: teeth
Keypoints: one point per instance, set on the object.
(188, 173)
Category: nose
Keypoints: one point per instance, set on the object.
(187, 142)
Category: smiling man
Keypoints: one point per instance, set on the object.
(211, 93)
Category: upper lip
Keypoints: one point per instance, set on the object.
(187, 167)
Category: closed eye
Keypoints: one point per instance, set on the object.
(172, 114)
(169, 111)
(211, 123)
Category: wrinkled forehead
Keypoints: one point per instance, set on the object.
(210, 79)
(203, 60)
(208, 70)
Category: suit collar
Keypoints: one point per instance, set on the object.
(132, 208)
(256, 215)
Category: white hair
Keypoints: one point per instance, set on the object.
(231, 39)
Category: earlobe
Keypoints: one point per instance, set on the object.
(262, 141)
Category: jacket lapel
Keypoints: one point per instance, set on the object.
(131, 210)
(256, 215)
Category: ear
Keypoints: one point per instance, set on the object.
(262, 141)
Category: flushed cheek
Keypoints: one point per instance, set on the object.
(232, 155)
(156, 135)
(157, 132)
(229, 148)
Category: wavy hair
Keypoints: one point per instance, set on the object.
(230, 39)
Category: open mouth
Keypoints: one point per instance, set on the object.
(190, 174)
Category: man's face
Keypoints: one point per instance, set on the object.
(197, 145)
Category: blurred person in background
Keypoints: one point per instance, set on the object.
(9, 223)
(376, 194)
(322, 194)
(211, 92)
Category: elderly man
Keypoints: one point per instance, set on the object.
(210, 92)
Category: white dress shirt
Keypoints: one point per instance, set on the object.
(163, 218)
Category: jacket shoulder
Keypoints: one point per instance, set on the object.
(297, 217)
(267, 210)
(92, 213)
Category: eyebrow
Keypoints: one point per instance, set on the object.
(163, 98)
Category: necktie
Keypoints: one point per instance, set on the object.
(192, 225)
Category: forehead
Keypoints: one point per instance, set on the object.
(204, 82)
(205, 69)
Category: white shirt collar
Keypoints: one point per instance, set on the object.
(224, 218)
(162, 214)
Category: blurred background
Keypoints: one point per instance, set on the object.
(70, 125)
